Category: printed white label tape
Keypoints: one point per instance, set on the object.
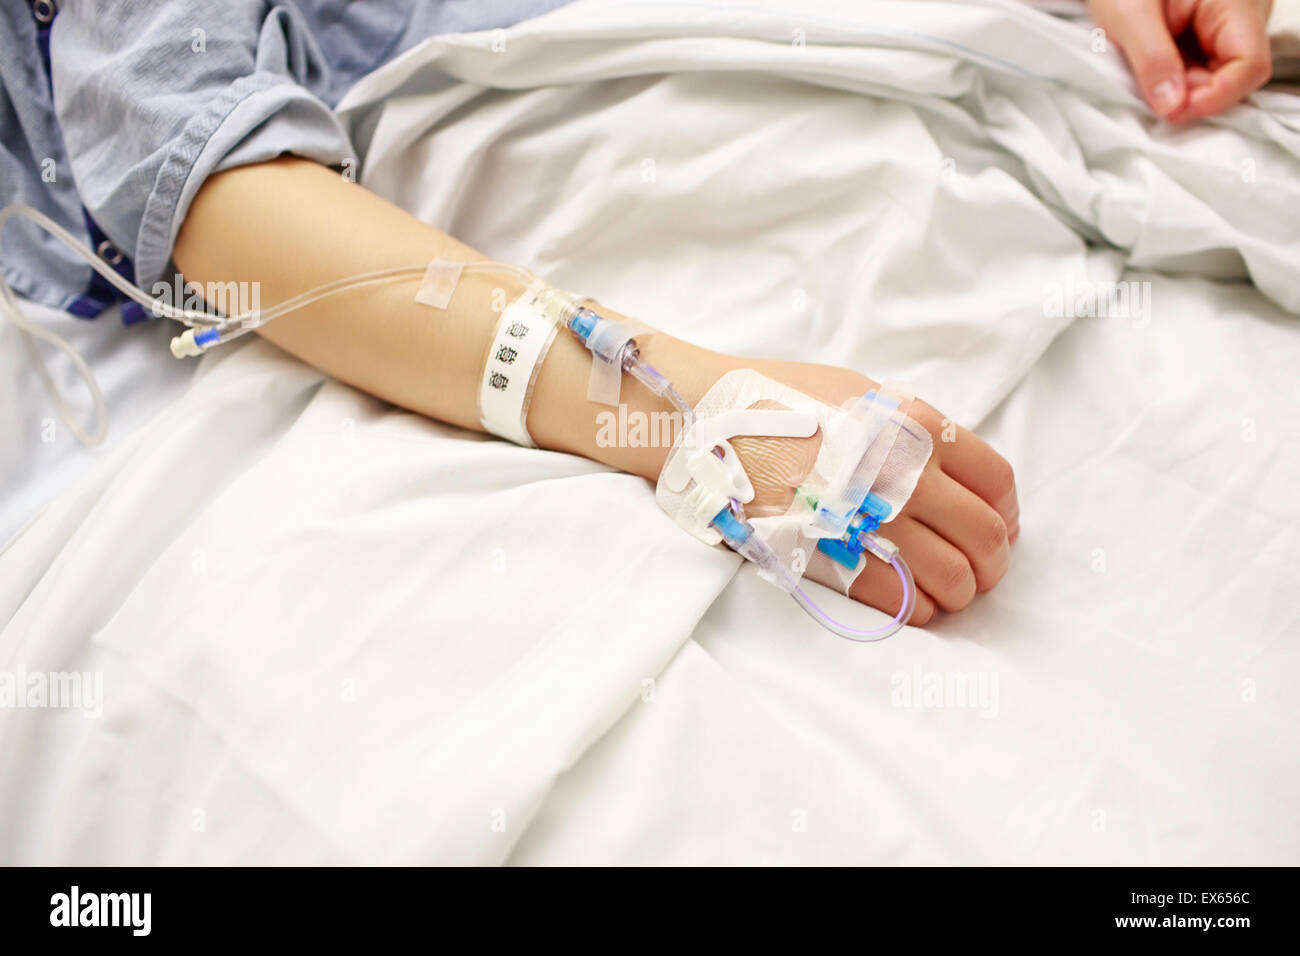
(523, 334)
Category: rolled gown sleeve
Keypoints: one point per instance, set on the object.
(153, 97)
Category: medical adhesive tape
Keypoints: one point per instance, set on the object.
(606, 345)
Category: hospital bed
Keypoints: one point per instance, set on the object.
(331, 631)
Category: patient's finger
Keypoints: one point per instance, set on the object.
(1142, 31)
(1237, 46)
(878, 585)
(941, 570)
(1230, 84)
(960, 516)
(971, 461)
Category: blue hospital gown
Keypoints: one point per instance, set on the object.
(113, 112)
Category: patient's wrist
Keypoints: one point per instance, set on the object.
(649, 438)
(635, 435)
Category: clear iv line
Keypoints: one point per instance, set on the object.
(206, 329)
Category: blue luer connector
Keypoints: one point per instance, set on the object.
(584, 323)
(848, 549)
(732, 529)
(206, 337)
(846, 553)
(875, 506)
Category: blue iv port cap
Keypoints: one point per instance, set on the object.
(840, 552)
(730, 527)
(875, 506)
(584, 323)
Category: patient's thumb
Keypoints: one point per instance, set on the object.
(1144, 37)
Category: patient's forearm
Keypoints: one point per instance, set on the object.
(291, 225)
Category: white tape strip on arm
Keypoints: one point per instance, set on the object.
(440, 281)
(606, 346)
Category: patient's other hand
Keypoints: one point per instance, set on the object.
(956, 530)
(1192, 58)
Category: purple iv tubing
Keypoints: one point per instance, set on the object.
(866, 636)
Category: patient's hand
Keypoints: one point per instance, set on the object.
(955, 531)
(1192, 58)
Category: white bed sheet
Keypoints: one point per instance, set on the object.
(332, 631)
(1142, 711)
(41, 457)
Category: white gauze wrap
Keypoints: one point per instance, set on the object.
(867, 444)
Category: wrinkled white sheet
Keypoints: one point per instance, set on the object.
(39, 456)
(331, 631)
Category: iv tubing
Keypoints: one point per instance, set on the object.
(876, 634)
(214, 329)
